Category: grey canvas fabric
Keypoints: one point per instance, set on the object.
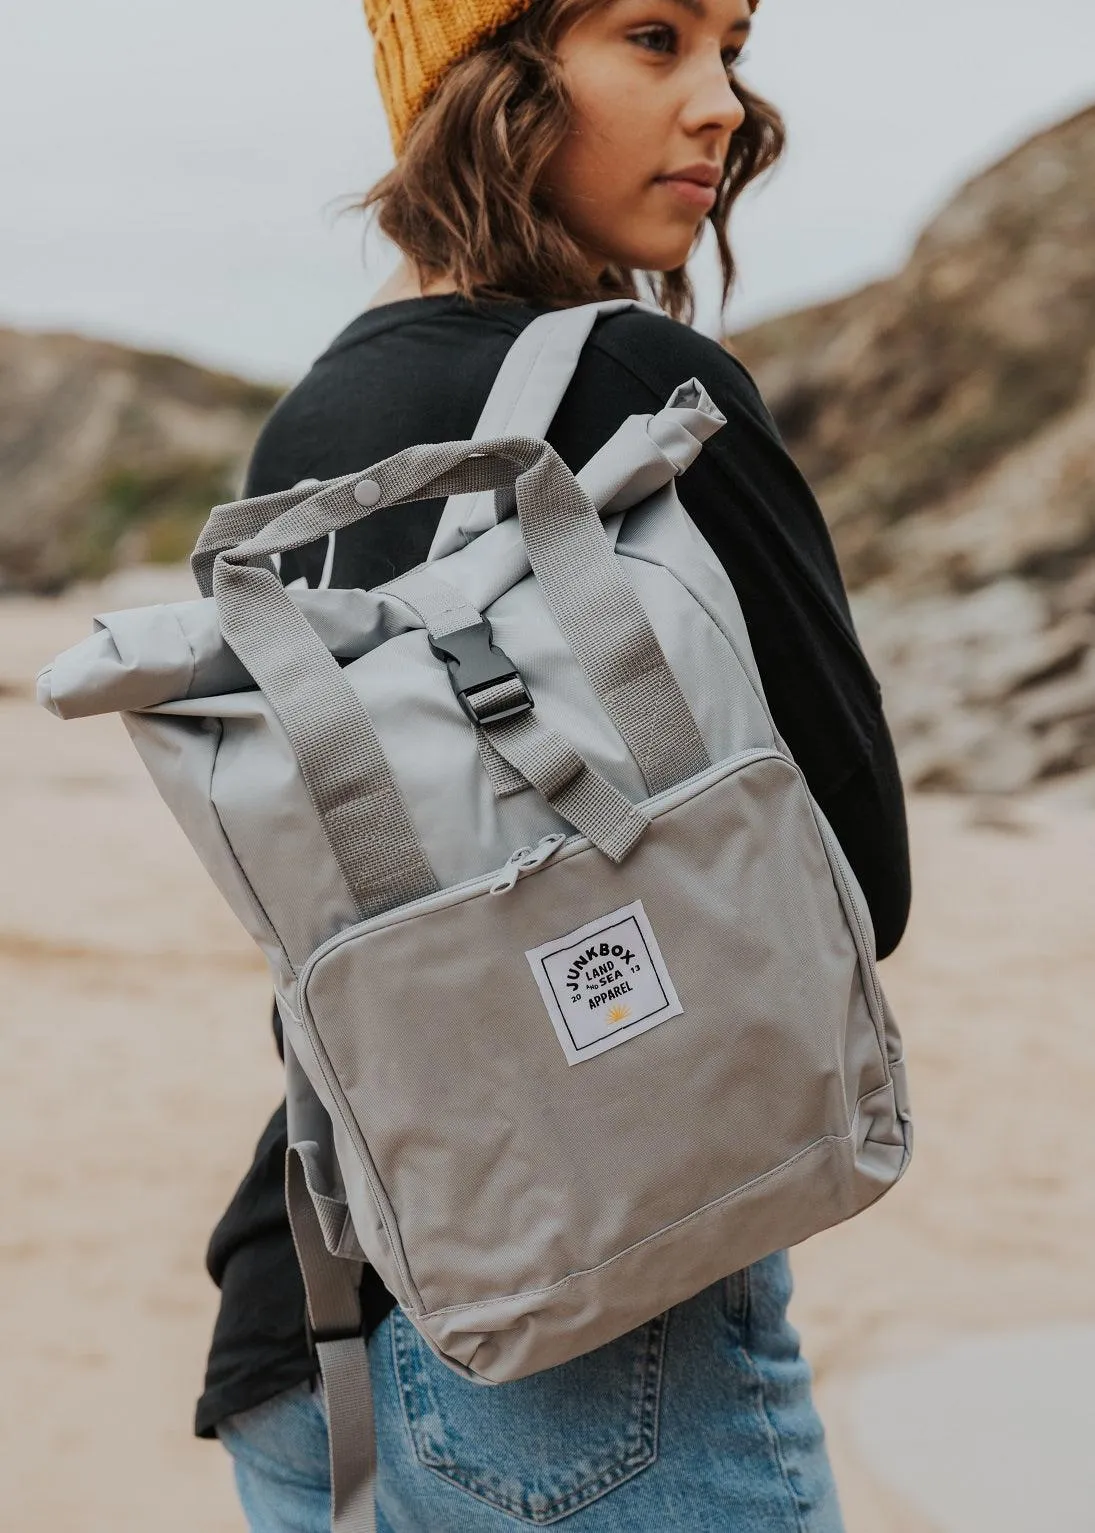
(578, 989)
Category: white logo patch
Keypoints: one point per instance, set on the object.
(604, 983)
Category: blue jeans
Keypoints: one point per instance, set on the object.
(700, 1421)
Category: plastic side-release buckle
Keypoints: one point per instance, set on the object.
(476, 669)
(314, 1339)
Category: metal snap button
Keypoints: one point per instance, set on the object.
(367, 493)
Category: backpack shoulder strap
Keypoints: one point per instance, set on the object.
(527, 393)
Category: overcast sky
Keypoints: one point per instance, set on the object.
(171, 168)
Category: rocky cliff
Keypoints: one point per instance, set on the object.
(109, 455)
(947, 420)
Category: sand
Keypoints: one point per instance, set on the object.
(935, 1426)
(139, 1071)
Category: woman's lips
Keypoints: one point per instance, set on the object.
(694, 193)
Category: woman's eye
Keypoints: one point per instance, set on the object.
(661, 39)
(664, 39)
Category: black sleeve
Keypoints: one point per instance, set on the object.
(867, 813)
(259, 1333)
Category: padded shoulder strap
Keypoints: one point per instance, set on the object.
(527, 393)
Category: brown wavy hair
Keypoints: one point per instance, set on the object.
(465, 201)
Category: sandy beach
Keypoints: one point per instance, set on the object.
(140, 1070)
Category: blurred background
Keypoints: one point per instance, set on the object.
(917, 302)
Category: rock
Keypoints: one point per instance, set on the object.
(947, 420)
(111, 455)
(1068, 700)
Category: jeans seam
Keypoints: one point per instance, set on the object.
(762, 1400)
(736, 1298)
(401, 1370)
(655, 1374)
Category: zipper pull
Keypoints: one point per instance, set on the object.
(542, 852)
(526, 859)
(510, 871)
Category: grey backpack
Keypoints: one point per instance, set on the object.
(579, 992)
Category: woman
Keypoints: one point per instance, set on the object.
(551, 152)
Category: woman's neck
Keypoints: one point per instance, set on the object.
(405, 283)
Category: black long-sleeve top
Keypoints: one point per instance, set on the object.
(420, 371)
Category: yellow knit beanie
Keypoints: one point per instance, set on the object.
(416, 41)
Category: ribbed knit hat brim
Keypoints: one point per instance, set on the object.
(418, 41)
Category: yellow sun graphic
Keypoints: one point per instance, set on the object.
(618, 1014)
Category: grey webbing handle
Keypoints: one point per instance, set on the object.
(526, 396)
(527, 392)
(227, 526)
(571, 557)
(341, 761)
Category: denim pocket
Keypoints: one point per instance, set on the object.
(542, 1447)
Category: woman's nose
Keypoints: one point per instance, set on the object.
(712, 104)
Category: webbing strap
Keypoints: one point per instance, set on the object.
(341, 761)
(572, 559)
(539, 366)
(343, 766)
(368, 828)
(332, 1287)
(613, 641)
(504, 779)
(351, 1434)
(610, 635)
(531, 750)
(230, 524)
(527, 392)
(575, 790)
(444, 610)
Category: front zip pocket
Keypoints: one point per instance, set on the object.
(506, 1162)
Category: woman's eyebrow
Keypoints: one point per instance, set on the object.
(699, 9)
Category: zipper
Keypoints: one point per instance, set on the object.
(669, 798)
(526, 859)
